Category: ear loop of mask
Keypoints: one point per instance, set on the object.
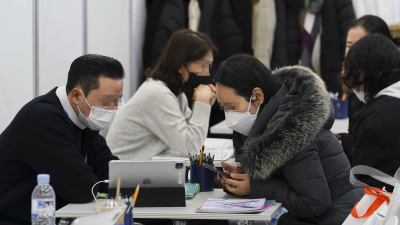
(85, 98)
(85, 101)
(248, 110)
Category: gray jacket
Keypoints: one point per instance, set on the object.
(293, 157)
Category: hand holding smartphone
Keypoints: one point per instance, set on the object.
(216, 170)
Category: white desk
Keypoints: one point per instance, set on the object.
(177, 213)
(340, 126)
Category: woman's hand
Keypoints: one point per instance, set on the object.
(205, 94)
(229, 169)
(240, 186)
(241, 183)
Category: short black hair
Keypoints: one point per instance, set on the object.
(372, 25)
(243, 73)
(379, 58)
(86, 70)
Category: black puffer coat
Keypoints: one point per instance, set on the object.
(336, 17)
(288, 35)
(292, 156)
(168, 18)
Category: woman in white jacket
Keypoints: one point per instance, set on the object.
(157, 117)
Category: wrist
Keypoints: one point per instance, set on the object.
(203, 99)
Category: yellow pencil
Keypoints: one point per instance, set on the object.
(136, 194)
(201, 157)
(344, 97)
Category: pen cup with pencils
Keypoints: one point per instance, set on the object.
(341, 108)
(202, 176)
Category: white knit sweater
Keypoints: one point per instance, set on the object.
(154, 120)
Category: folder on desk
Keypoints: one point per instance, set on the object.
(213, 205)
(191, 190)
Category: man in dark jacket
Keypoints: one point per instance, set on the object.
(372, 70)
(291, 155)
(57, 134)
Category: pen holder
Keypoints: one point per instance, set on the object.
(341, 108)
(129, 219)
(202, 176)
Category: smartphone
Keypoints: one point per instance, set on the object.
(216, 170)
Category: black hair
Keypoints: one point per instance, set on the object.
(378, 58)
(86, 70)
(183, 46)
(372, 25)
(243, 73)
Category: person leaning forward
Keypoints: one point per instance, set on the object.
(58, 134)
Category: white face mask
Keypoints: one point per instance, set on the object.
(98, 119)
(241, 122)
(360, 94)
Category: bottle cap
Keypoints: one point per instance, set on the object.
(43, 178)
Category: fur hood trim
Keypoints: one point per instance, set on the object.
(264, 154)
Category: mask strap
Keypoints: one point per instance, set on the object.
(248, 110)
(187, 70)
(257, 110)
(85, 99)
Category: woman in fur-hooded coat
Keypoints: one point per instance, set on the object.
(290, 154)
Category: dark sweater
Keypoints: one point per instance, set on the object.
(376, 138)
(42, 139)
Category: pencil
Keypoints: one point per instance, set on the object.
(136, 194)
(344, 97)
(201, 157)
(118, 188)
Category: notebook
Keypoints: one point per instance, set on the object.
(191, 190)
(213, 205)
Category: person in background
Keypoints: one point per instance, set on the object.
(157, 117)
(283, 141)
(372, 71)
(58, 134)
(367, 24)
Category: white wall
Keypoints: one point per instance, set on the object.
(388, 10)
(137, 40)
(65, 30)
(60, 40)
(16, 58)
(108, 34)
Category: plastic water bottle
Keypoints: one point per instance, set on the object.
(43, 202)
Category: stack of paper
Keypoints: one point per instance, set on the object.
(191, 190)
(213, 205)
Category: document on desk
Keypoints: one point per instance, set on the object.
(213, 205)
(222, 149)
